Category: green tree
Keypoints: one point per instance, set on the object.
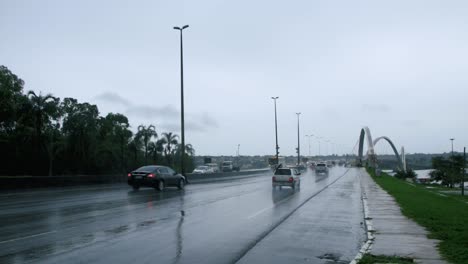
(156, 149)
(80, 129)
(170, 143)
(11, 98)
(145, 134)
(447, 170)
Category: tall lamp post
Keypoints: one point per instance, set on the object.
(182, 126)
(276, 132)
(298, 141)
(464, 171)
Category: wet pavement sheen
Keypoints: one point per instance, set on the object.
(224, 222)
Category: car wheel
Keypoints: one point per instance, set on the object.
(136, 187)
(160, 186)
(181, 184)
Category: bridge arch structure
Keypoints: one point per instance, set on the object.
(367, 136)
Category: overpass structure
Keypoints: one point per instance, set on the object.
(371, 155)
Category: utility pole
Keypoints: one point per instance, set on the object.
(276, 132)
(451, 166)
(298, 142)
(182, 126)
(464, 171)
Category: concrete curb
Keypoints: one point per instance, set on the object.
(369, 229)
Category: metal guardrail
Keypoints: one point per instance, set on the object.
(193, 176)
(21, 182)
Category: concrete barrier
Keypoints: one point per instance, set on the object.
(21, 182)
(221, 175)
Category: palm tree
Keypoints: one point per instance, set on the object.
(171, 140)
(189, 150)
(146, 133)
(43, 108)
(156, 149)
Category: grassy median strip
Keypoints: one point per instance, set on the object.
(370, 259)
(445, 217)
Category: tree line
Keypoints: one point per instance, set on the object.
(45, 135)
(448, 170)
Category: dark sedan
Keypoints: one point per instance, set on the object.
(157, 177)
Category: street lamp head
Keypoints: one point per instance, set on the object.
(186, 26)
(178, 28)
(274, 98)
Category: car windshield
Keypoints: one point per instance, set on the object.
(202, 168)
(321, 165)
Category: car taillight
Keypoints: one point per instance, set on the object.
(151, 175)
(129, 175)
(274, 178)
(291, 179)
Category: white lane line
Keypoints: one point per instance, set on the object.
(26, 237)
(270, 207)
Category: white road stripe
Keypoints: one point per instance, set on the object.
(21, 238)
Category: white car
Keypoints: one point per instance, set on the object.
(286, 177)
(321, 167)
(213, 166)
(202, 170)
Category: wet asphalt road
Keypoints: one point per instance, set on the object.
(241, 221)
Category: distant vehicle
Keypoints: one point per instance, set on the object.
(286, 177)
(154, 176)
(312, 165)
(329, 163)
(301, 168)
(203, 170)
(321, 168)
(213, 166)
(227, 166)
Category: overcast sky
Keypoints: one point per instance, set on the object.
(399, 67)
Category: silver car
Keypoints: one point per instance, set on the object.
(286, 177)
(321, 168)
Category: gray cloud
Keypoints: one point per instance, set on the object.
(189, 125)
(151, 112)
(166, 118)
(111, 97)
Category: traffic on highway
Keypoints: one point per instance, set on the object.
(228, 221)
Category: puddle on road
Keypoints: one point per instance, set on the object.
(117, 230)
(333, 258)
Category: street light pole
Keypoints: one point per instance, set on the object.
(182, 126)
(276, 132)
(451, 166)
(298, 142)
(464, 171)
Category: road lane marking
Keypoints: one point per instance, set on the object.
(270, 207)
(282, 220)
(21, 238)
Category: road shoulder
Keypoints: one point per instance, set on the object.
(395, 234)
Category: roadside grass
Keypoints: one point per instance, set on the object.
(370, 259)
(445, 217)
(453, 192)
